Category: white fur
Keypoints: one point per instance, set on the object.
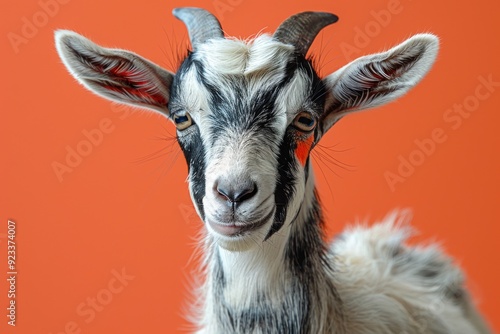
(262, 55)
(379, 297)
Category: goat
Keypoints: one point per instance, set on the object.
(248, 114)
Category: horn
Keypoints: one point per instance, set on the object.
(301, 29)
(201, 24)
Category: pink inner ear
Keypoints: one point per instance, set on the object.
(377, 75)
(130, 82)
(138, 94)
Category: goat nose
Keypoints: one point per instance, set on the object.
(236, 193)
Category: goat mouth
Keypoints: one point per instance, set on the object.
(236, 229)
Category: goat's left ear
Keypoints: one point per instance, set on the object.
(118, 75)
(374, 80)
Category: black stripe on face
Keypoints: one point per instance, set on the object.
(190, 140)
(287, 168)
(287, 176)
(234, 107)
(192, 147)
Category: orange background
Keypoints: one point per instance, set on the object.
(126, 204)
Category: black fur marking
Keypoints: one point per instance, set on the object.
(238, 111)
(219, 274)
(287, 168)
(285, 185)
(190, 143)
(195, 157)
(262, 317)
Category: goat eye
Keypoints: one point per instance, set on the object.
(183, 122)
(304, 122)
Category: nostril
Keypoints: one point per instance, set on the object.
(234, 193)
(246, 193)
(223, 192)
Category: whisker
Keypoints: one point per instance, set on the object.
(335, 161)
(165, 165)
(155, 155)
(159, 153)
(331, 147)
(324, 176)
(327, 166)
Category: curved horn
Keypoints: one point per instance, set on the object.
(201, 24)
(301, 29)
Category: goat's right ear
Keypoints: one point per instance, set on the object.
(118, 75)
(376, 79)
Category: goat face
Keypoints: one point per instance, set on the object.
(248, 113)
(247, 116)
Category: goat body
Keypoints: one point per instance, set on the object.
(248, 114)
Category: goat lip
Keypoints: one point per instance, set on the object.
(236, 229)
(229, 230)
